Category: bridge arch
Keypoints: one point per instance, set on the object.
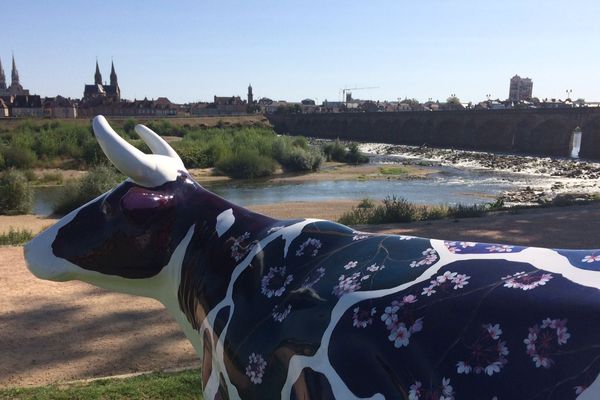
(412, 132)
(521, 134)
(382, 130)
(590, 139)
(448, 133)
(493, 134)
(550, 137)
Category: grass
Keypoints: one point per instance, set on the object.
(393, 209)
(177, 385)
(15, 237)
(388, 170)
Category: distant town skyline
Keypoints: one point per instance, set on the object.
(190, 51)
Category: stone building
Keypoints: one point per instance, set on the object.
(520, 89)
(26, 105)
(59, 107)
(229, 105)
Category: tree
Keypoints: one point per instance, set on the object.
(411, 102)
(453, 100)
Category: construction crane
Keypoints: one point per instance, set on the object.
(347, 90)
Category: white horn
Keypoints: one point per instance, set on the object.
(149, 170)
(157, 144)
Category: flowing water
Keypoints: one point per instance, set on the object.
(450, 186)
(465, 182)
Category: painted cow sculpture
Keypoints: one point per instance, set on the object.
(310, 309)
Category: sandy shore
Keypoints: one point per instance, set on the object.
(57, 332)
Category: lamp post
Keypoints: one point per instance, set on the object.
(569, 91)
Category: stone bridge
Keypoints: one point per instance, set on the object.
(547, 132)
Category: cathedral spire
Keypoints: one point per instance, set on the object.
(2, 78)
(113, 75)
(97, 75)
(15, 73)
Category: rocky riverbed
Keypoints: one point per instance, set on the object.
(538, 180)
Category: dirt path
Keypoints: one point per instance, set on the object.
(54, 332)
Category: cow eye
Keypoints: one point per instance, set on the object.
(106, 208)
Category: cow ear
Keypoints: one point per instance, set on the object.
(141, 204)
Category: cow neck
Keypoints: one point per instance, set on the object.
(213, 255)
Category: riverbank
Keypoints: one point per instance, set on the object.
(329, 171)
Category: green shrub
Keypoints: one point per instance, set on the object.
(475, 210)
(29, 145)
(30, 175)
(16, 195)
(246, 163)
(193, 154)
(299, 159)
(393, 210)
(74, 194)
(91, 153)
(354, 156)
(15, 237)
(19, 157)
(300, 141)
(129, 126)
(295, 154)
(140, 145)
(336, 151)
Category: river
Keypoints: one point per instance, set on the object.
(450, 185)
(464, 177)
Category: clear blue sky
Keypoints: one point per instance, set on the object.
(192, 50)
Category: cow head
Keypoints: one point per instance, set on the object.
(127, 235)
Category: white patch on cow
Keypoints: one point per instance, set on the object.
(39, 257)
(224, 221)
(288, 233)
(592, 392)
(162, 287)
(170, 278)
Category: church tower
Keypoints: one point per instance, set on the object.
(15, 73)
(102, 92)
(2, 78)
(250, 95)
(97, 75)
(15, 87)
(113, 75)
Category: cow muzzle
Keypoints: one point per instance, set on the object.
(40, 259)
